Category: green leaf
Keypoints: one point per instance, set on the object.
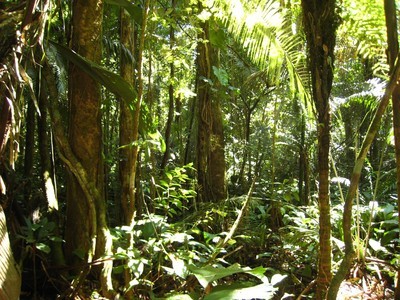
(43, 247)
(119, 269)
(218, 37)
(179, 266)
(135, 11)
(222, 75)
(56, 239)
(208, 274)
(110, 80)
(240, 291)
(79, 253)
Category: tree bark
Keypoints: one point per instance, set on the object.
(320, 22)
(171, 104)
(86, 225)
(210, 139)
(393, 51)
(29, 151)
(127, 165)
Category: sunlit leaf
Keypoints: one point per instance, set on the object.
(208, 274)
(43, 247)
(376, 246)
(239, 291)
(222, 75)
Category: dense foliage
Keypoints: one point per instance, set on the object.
(199, 88)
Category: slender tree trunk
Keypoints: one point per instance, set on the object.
(127, 165)
(171, 106)
(393, 50)
(5, 123)
(190, 136)
(246, 151)
(128, 157)
(304, 177)
(320, 23)
(29, 151)
(275, 209)
(129, 123)
(86, 226)
(354, 181)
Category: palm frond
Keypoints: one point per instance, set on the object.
(270, 41)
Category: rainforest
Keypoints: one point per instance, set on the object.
(199, 149)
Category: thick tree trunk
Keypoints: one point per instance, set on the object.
(210, 139)
(84, 127)
(320, 23)
(393, 50)
(86, 225)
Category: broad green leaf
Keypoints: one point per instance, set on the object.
(208, 274)
(222, 75)
(135, 11)
(119, 269)
(43, 247)
(218, 37)
(110, 80)
(239, 291)
(179, 266)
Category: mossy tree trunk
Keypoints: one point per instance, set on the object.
(320, 23)
(86, 227)
(210, 135)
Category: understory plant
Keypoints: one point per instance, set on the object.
(183, 259)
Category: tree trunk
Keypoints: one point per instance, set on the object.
(320, 23)
(29, 152)
(86, 226)
(355, 178)
(210, 140)
(127, 165)
(171, 106)
(393, 50)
